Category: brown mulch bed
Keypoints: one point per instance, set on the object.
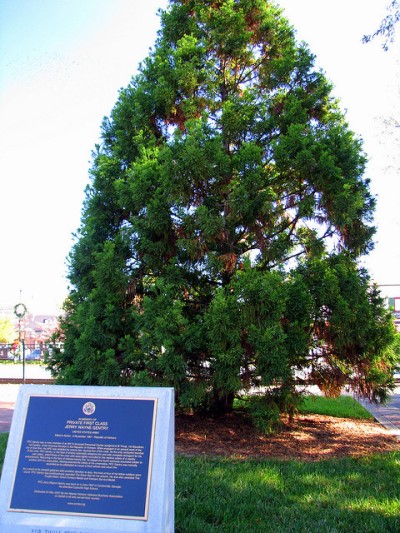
(307, 438)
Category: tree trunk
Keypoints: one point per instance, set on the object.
(223, 403)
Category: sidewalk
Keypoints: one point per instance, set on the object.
(8, 396)
(18, 371)
(9, 393)
(387, 415)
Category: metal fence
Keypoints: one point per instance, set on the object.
(17, 352)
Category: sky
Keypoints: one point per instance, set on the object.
(62, 63)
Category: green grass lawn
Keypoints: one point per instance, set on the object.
(3, 444)
(346, 495)
(251, 496)
(343, 407)
(342, 495)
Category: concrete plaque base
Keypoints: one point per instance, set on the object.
(88, 460)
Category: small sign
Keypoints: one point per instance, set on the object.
(91, 456)
(89, 460)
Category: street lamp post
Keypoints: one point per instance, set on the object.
(20, 311)
(22, 341)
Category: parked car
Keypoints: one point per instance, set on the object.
(34, 355)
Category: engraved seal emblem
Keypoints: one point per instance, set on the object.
(89, 408)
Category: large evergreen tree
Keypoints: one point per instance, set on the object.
(221, 231)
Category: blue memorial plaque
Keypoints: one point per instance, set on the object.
(86, 456)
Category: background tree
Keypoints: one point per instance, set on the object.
(387, 27)
(220, 234)
(7, 330)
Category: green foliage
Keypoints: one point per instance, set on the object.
(265, 414)
(354, 330)
(220, 234)
(7, 330)
(266, 409)
(395, 352)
